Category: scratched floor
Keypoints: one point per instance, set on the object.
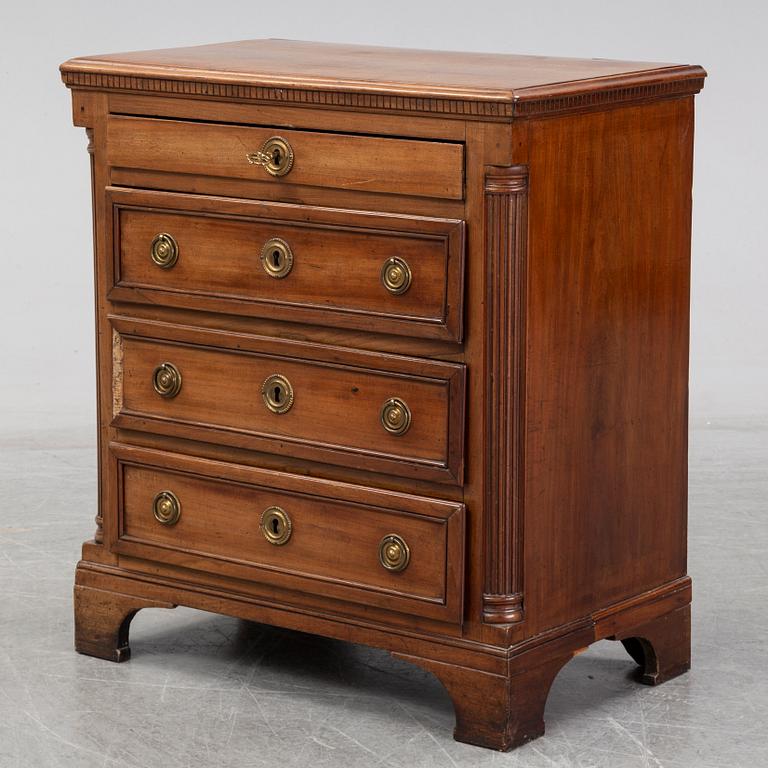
(205, 690)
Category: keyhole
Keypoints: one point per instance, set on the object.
(277, 393)
(275, 526)
(276, 259)
(276, 156)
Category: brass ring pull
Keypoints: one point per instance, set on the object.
(396, 416)
(277, 393)
(167, 508)
(276, 525)
(277, 258)
(166, 379)
(164, 250)
(394, 553)
(275, 156)
(396, 275)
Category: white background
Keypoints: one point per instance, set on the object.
(46, 328)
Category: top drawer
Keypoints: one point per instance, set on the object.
(364, 163)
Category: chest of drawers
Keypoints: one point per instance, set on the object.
(392, 347)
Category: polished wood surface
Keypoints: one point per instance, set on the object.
(607, 364)
(333, 542)
(543, 207)
(219, 267)
(338, 395)
(473, 84)
(361, 163)
(506, 227)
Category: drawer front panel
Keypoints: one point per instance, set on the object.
(332, 266)
(344, 161)
(330, 408)
(336, 533)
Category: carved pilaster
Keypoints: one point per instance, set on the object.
(506, 252)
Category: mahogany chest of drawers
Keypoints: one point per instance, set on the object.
(392, 347)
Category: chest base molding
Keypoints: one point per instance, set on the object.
(499, 694)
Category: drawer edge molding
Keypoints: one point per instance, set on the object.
(361, 162)
(450, 232)
(447, 467)
(284, 481)
(440, 512)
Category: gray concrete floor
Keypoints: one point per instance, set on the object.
(205, 690)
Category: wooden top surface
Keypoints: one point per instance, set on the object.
(280, 69)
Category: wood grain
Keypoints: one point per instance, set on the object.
(334, 542)
(450, 84)
(607, 358)
(103, 618)
(361, 163)
(506, 191)
(338, 396)
(544, 207)
(336, 275)
(280, 190)
(280, 116)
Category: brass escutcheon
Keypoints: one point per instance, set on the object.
(166, 508)
(276, 525)
(395, 416)
(166, 379)
(396, 275)
(394, 553)
(275, 156)
(277, 393)
(276, 257)
(164, 250)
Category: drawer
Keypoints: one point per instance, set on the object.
(419, 168)
(383, 412)
(390, 550)
(291, 262)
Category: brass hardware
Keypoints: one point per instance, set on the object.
(276, 257)
(396, 275)
(395, 416)
(277, 393)
(164, 250)
(166, 379)
(166, 508)
(275, 156)
(276, 525)
(394, 553)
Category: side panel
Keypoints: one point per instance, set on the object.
(607, 358)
